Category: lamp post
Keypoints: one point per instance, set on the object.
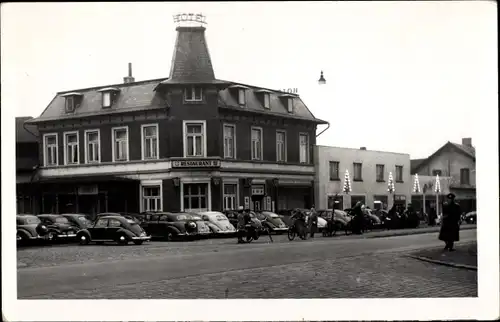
(321, 80)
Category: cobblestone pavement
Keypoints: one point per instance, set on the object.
(321, 268)
(463, 255)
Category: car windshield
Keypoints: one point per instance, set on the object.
(83, 220)
(32, 220)
(221, 217)
(62, 220)
(273, 215)
(182, 217)
(198, 218)
(131, 221)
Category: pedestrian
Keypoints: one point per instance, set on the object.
(450, 226)
(432, 216)
(241, 225)
(313, 222)
(357, 227)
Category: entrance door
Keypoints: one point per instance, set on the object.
(257, 202)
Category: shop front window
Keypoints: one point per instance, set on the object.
(195, 197)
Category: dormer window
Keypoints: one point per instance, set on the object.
(290, 105)
(287, 100)
(108, 96)
(72, 101)
(193, 94)
(264, 97)
(267, 100)
(241, 97)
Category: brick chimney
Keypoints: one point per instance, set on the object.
(129, 78)
(467, 142)
(363, 148)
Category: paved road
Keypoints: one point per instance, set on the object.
(321, 268)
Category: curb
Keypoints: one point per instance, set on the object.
(415, 232)
(450, 264)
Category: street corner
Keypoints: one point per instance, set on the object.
(464, 256)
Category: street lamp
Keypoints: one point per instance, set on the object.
(321, 80)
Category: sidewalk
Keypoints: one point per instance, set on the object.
(464, 256)
(411, 231)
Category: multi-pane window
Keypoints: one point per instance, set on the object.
(194, 139)
(304, 148)
(229, 141)
(106, 99)
(92, 146)
(334, 170)
(399, 173)
(267, 100)
(195, 196)
(241, 97)
(50, 151)
(280, 146)
(380, 172)
(464, 176)
(256, 144)
(358, 171)
(230, 193)
(120, 144)
(193, 94)
(436, 172)
(150, 141)
(71, 148)
(151, 198)
(70, 104)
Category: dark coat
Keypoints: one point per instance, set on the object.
(450, 226)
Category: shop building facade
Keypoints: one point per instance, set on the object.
(189, 142)
(368, 171)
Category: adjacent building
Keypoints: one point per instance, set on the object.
(369, 173)
(26, 164)
(189, 142)
(456, 166)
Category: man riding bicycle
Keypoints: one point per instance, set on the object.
(244, 219)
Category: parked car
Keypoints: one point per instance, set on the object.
(272, 221)
(218, 223)
(470, 217)
(79, 220)
(59, 227)
(169, 226)
(29, 228)
(113, 229)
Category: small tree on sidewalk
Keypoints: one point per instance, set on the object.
(347, 183)
(390, 187)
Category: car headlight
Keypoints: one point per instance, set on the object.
(192, 225)
(43, 227)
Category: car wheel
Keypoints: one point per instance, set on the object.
(51, 236)
(138, 242)
(83, 239)
(291, 234)
(169, 236)
(122, 239)
(21, 238)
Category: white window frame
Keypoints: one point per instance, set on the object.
(193, 94)
(150, 184)
(267, 99)
(65, 140)
(242, 99)
(397, 179)
(285, 152)
(113, 141)
(45, 158)
(261, 143)
(104, 95)
(354, 177)
(143, 142)
(234, 140)
(236, 196)
(203, 123)
(209, 194)
(308, 156)
(86, 140)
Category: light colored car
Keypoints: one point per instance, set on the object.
(218, 222)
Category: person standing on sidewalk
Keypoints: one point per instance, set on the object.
(450, 227)
(313, 222)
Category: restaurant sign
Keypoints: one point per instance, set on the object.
(195, 163)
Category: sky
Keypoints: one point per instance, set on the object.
(401, 76)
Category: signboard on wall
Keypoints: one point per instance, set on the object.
(195, 163)
(258, 190)
(247, 202)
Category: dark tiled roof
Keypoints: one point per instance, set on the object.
(191, 61)
(132, 97)
(470, 150)
(415, 163)
(23, 135)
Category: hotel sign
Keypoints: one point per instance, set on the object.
(195, 163)
(190, 17)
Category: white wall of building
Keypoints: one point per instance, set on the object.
(368, 187)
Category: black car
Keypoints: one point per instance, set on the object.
(113, 229)
(59, 227)
(79, 220)
(470, 217)
(168, 226)
(29, 228)
(272, 222)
